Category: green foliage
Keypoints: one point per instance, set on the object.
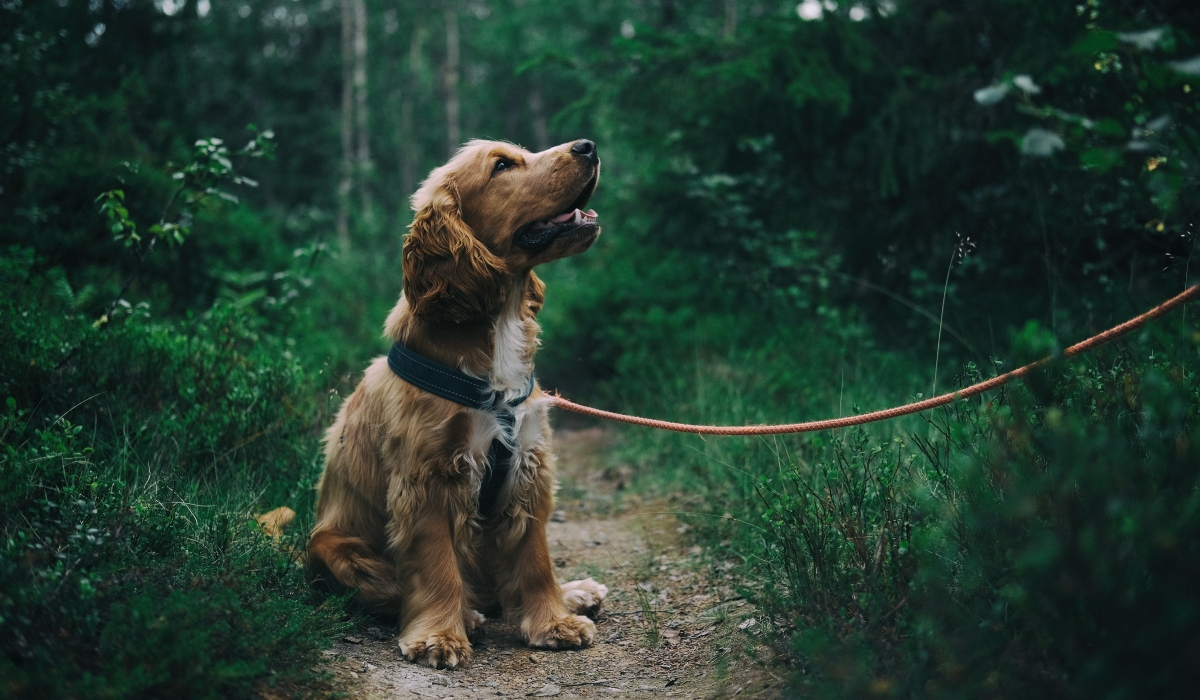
(130, 565)
(1038, 544)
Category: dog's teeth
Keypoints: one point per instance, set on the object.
(578, 216)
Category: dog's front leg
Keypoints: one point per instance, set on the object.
(526, 583)
(435, 608)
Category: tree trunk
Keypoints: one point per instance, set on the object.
(668, 13)
(409, 143)
(453, 136)
(344, 186)
(731, 18)
(362, 111)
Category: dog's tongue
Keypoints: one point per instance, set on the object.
(573, 214)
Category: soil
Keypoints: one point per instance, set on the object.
(671, 626)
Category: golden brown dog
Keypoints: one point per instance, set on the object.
(398, 509)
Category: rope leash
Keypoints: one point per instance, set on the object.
(1115, 332)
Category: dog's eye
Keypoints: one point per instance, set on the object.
(502, 164)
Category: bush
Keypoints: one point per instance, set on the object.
(130, 566)
(1042, 544)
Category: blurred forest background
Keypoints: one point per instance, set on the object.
(808, 209)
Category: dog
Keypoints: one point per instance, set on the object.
(438, 483)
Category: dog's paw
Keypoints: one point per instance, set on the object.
(438, 650)
(473, 621)
(584, 597)
(567, 632)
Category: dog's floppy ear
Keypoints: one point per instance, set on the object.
(448, 272)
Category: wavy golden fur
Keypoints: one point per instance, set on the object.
(397, 512)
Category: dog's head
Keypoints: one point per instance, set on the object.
(490, 214)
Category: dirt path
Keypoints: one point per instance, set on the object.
(671, 626)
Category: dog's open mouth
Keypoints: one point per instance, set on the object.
(574, 220)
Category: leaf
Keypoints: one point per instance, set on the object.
(1040, 142)
(1100, 159)
(1096, 42)
(1110, 127)
(1156, 73)
(1011, 135)
(1145, 40)
(992, 94)
(548, 57)
(1188, 66)
(1026, 84)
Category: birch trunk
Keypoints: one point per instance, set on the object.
(409, 155)
(453, 136)
(363, 155)
(346, 182)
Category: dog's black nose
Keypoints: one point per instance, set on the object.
(585, 148)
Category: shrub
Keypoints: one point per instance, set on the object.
(1042, 544)
(129, 566)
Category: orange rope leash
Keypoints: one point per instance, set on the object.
(832, 423)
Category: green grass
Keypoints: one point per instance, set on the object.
(129, 562)
(1038, 542)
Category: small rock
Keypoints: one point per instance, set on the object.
(747, 623)
(548, 690)
(535, 658)
(439, 679)
(558, 516)
(353, 674)
(353, 640)
(492, 684)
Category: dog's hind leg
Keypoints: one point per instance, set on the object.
(342, 562)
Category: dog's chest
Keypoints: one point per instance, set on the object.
(514, 342)
(524, 436)
(511, 437)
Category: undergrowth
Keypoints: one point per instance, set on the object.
(129, 562)
(1040, 541)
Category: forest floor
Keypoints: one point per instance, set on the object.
(671, 626)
